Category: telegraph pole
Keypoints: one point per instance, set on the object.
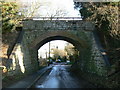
(49, 50)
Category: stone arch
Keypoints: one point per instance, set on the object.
(90, 59)
(34, 36)
(79, 43)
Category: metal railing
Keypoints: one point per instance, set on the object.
(54, 18)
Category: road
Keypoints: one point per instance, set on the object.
(61, 77)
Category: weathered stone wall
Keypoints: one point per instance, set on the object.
(91, 58)
(8, 41)
(19, 62)
(36, 33)
(58, 25)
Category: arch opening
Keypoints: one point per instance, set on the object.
(84, 61)
(78, 47)
(57, 52)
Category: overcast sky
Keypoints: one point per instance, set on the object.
(50, 7)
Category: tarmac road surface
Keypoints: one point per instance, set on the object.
(61, 77)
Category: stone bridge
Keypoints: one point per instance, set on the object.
(37, 32)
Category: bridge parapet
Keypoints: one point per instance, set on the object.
(58, 25)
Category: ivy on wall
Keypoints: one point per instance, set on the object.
(10, 16)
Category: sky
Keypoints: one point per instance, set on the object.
(50, 7)
(65, 6)
(53, 44)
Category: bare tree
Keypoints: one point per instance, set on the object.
(57, 13)
(34, 9)
(30, 9)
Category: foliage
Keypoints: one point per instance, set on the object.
(68, 53)
(10, 17)
(106, 17)
(69, 49)
(72, 52)
(57, 53)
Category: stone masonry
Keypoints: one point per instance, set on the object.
(38, 32)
